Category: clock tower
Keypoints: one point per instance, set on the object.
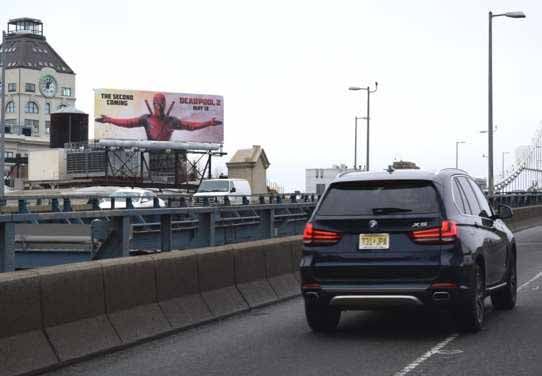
(38, 83)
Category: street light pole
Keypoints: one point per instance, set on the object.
(490, 182)
(356, 142)
(368, 124)
(490, 179)
(368, 118)
(3, 114)
(457, 152)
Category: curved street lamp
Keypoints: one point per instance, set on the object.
(490, 180)
(369, 92)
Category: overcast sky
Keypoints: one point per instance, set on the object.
(284, 68)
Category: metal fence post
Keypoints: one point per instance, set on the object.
(7, 247)
(166, 235)
(267, 223)
(123, 228)
(213, 217)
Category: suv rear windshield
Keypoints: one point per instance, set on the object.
(380, 198)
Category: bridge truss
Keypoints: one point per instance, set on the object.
(526, 173)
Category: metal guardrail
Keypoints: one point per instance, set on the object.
(517, 199)
(76, 202)
(128, 231)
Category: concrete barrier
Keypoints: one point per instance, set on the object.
(73, 305)
(280, 266)
(56, 315)
(23, 345)
(177, 289)
(524, 218)
(251, 274)
(216, 272)
(130, 298)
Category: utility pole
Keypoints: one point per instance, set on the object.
(3, 115)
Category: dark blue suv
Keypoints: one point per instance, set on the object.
(406, 238)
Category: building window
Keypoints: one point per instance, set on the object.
(12, 86)
(67, 91)
(47, 108)
(10, 107)
(47, 127)
(30, 88)
(8, 154)
(31, 108)
(31, 128)
(10, 126)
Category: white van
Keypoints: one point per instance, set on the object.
(234, 189)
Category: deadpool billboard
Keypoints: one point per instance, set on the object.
(158, 116)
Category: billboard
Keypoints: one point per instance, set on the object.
(158, 116)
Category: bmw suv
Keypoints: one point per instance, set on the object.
(406, 238)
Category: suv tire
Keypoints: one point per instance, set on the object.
(322, 318)
(470, 316)
(506, 298)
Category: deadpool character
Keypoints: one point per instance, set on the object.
(158, 125)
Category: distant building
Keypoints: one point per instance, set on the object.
(38, 82)
(404, 165)
(317, 179)
(250, 164)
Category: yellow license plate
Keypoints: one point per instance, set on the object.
(374, 241)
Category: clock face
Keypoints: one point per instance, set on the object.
(48, 86)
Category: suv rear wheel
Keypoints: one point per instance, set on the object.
(470, 317)
(506, 297)
(322, 318)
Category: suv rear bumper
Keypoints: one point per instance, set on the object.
(369, 297)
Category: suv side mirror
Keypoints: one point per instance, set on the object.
(232, 190)
(504, 212)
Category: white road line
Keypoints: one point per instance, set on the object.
(530, 281)
(426, 356)
(445, 342)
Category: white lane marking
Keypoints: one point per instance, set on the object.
(530, 281)
(427, 355)
(441, 345)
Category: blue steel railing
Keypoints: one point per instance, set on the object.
(127, 231)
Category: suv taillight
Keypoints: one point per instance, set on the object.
(312, 236)
(446, 233)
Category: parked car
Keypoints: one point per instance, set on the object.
(407, 238)
(215, 190)
(141, 198)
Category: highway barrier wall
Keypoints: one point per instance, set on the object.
(53, 316)
(525, 217)
(56, 315)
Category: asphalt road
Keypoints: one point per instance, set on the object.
(276, 341)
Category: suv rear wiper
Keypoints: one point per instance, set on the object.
(378, 211)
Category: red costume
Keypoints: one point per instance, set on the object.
(158, 125)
